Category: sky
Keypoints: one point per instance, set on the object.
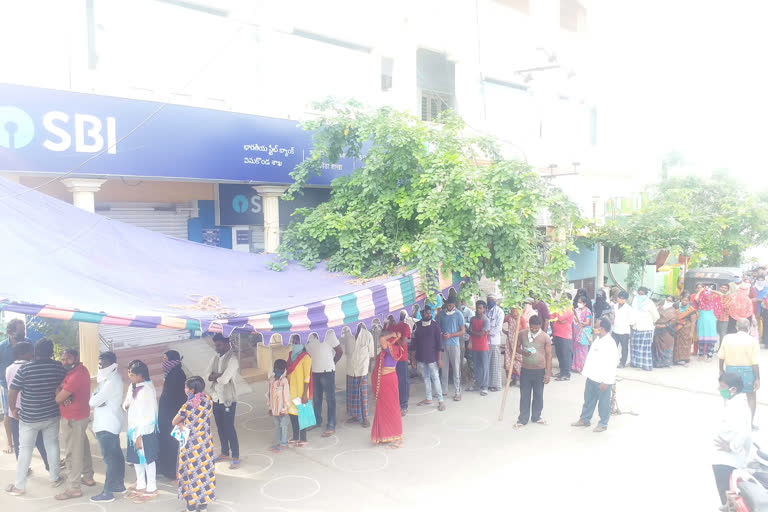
(683, 75)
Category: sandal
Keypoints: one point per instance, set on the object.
(58, 482)
(301, 444)
(292, 443)
(221, 458)
(133, 493)
(518, 425)
(441, 407)
(68, 495)
(235, 464)
(425, 402)
(88, 482)
(276, 448)
(366, 424)
(145, 497)
(457, 398)
(328, 433)
(395, 445)
(541, 421)
(13, 491)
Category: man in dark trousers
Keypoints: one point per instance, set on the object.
(536, 347)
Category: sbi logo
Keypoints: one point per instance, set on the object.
(241, 203)
(16, 128)
(90, 133)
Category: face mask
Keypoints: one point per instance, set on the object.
(667, 305)
(296, 350)
(190, 394)
(580, 306)
(278, 373)
(103, 373)
(726, 393)
(69, 367)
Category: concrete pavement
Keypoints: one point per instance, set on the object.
(465, 459)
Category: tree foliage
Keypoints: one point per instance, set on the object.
(428, 195)
(712, 220)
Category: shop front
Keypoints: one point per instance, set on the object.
(209, 176)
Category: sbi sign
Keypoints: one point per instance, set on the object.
(59, 131)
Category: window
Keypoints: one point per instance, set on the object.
(436, 80)
(573, 16)
(523, 6)
(387, 66)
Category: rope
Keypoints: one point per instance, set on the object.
(204, 303)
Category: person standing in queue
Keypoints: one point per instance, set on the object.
(108, 419)
(300, 385)
(222, 371)
(171, 399)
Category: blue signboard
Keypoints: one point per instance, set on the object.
(50, 131)
(241, 204)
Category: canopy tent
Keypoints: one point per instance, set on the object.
(64, 263)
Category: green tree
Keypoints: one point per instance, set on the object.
(712, 220)
(428, 195)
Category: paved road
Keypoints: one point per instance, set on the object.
(464, 458)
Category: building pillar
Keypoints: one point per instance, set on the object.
(270, 201)
(83, 192)
(84, 197)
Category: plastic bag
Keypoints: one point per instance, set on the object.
(306, 415)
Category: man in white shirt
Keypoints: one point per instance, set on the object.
(108, 417)
(495, 316)
(600, 371)
(644, 316)
(222, 371)
(324, 356)
(359, 350)
(622, 322)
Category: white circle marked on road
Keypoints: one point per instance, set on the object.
(419, 441)
(248, 462)
(240, 411)
(358, 464)
(79, 504)
(255, 428)
(421, 411)
(294, 483)
(311, 446)
(467, 423)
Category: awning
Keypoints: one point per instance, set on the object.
(65, 263)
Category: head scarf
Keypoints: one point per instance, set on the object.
(741, 304)
(174, 360)
(710, 301)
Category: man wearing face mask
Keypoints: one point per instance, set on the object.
(73, 399)
(600, 371)
(108, 419)
(452, 326)
(536, 347)
(495, 316)
(644, 316)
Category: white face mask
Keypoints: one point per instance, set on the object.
(103, 373)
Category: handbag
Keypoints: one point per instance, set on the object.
(306, 415)
(181, 435)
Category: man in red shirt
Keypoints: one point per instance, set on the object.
(403, 380)
(72, 397)
(562, 336)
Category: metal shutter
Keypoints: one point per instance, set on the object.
(169, 219)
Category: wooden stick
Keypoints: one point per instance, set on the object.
(511, 367)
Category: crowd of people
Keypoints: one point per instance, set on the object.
(48, 403)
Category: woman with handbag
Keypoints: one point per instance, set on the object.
(300, 384)
(582, 334)
(192, 428)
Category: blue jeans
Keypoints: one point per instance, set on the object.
(431, 377)
(27, 437)
(324, 384)
(114, 481)
(281, 429)
(403, 383)
(594, 397)
(480, 359)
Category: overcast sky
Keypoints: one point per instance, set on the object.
(688, 75)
